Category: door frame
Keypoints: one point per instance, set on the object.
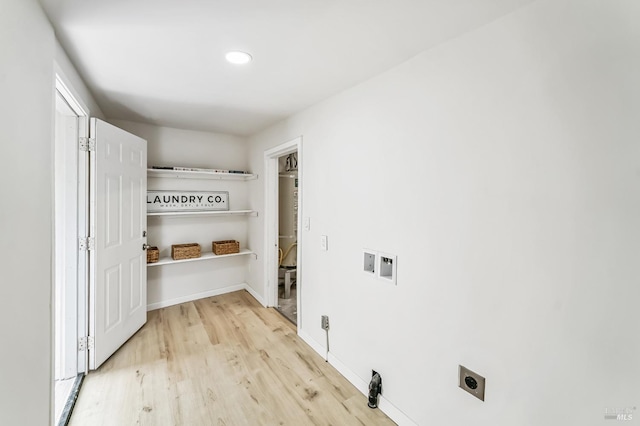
(82, 219)
(271, 157)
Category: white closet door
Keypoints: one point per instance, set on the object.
(118, 287)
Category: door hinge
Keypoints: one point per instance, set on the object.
(84, 343)
(86, 243)
(87, 144)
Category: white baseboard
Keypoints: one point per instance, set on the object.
(196, 296)
(321, 350)
(255, 295)
(363, 386)
(383, 404)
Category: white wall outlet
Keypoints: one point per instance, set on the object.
(324, 243)
(387, 267)
(307, 223)
(369, 261)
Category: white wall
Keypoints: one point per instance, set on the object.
(503, 168)
(26, 147)
(171, 284)
(30, 56)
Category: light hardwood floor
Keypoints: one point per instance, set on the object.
(223, 360)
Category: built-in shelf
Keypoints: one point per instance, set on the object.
(189, 174)
(210, 175)
(206, 213)
(205, 256)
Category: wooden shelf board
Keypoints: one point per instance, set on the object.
(205, 256)
(188, 174)
(205, 213)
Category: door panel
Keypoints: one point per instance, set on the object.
(138, 272)
(113, 211)
(119, 275)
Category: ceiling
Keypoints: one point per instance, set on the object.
(162, 61)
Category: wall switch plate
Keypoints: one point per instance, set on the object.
(307, 223)
(471, 382)
(324, 243)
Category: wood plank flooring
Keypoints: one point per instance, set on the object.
(221, 361)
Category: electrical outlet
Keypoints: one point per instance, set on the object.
(471, 382)
(324, 322)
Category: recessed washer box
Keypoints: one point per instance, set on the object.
(387, 267)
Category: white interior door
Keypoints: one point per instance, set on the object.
(118, 267)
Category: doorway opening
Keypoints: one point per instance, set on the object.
(288, 236)
(283, 170)
(69, 263)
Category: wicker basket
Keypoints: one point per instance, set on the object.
(185, 251)
(225, 247)
(153, 254)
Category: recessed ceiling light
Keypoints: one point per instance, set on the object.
(237, 57)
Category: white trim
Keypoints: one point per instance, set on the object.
(306, 337)
(284, 149)
(210, 293)
(270, 223)
(79, 108)
(270, 230)
(83, 229)
(65, 240)
(383, 403)
(196, 296)
(255, 295)
(76, 105)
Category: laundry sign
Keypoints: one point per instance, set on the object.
(179, 201)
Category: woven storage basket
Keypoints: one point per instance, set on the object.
(185, 251)
(153, 254)
(225, 247)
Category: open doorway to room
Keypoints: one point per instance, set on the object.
(284, 183)
(69, 269)
(288, 236)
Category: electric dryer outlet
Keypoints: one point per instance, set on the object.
(471, 382)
